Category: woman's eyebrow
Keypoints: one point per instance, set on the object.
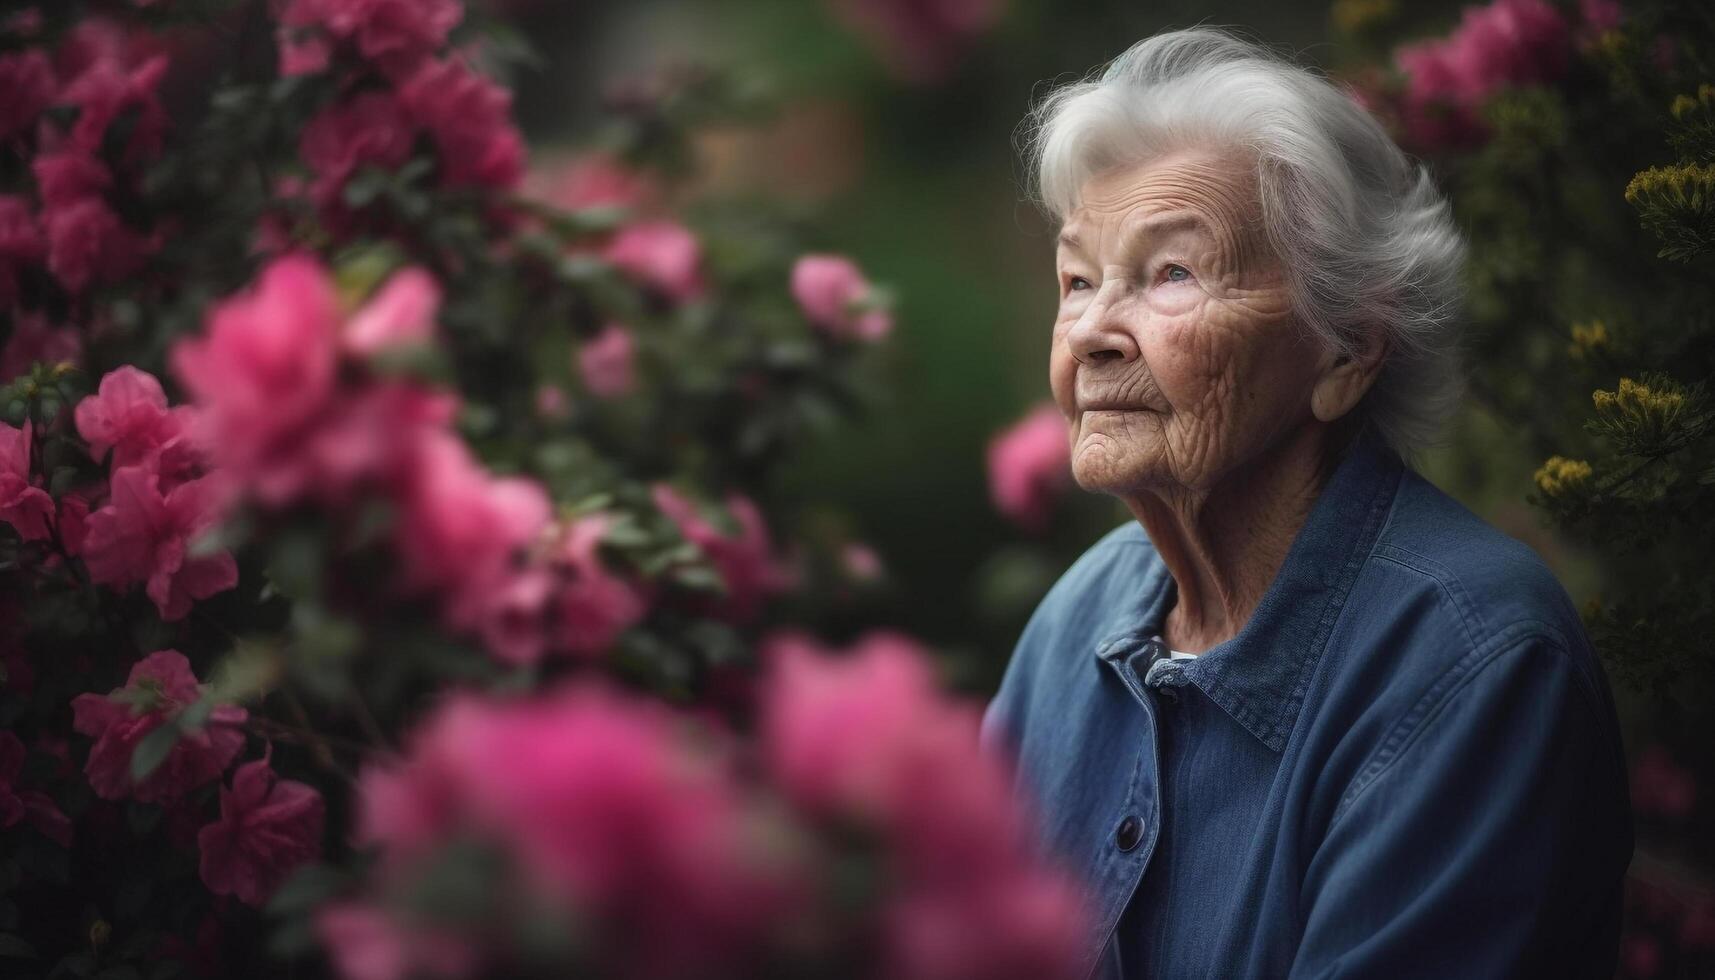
(1153, 226)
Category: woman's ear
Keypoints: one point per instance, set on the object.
(1345, 377)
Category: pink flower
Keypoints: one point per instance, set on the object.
(265, 366)
(605, 362)
(1028, 466)
(268, 826)
(34, 340)
(1506, 44)
(25, 506)
(1661, 787)
(397, 34)
(129, 415)
(834, 295)
(920, 40)
(459, 531)
(27, 78)
(401, 313)
(663, 255)
(594, 180)
(861, 562)
(369, 130)
(601, 802)
(21, 245)
(70, 175)
(1601, 16)
(18, 805)
(551, 402)
(142, 536)
(594, 606)
(866, 737)
(366, 944)
(470, 118)
(745, 559)
(88, 244)
(108, 89)
(159, 687)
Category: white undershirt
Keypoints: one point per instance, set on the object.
(1176, 654)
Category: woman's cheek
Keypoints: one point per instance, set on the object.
(1176, 299)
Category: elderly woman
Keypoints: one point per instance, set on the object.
(1307, 716)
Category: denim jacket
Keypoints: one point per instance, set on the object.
(1406, 763)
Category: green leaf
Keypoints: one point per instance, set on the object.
(308, 887)
(153, 750)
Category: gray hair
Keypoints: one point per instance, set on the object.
(1368, 243)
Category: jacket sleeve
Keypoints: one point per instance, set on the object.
(1490, 839)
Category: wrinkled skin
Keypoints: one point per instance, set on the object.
(1191, 391)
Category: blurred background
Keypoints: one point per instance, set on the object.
(897, 124)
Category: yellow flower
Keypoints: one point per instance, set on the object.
(1685, 105)
(1686, 187)
(1588, 338)
(1560, 474)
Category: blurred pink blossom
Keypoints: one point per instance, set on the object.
(25, 506)
(268, 826)
(401, 313)
(601, 801)
(1662, 787)
(18, 805)
(865, 735)
(470, 118)
(1028, 466)
(1601, 16)
(28, 80)
(89, 244)
(33, 339)
(861, 562)
(145, 536)
(1507, 44)
(605, 362)
(660, 254)
(594, 606)
(369, 130)
(745, 559)
(366, 944)
(265, 366)
(159, 687)
(594, 180)
(128, 414)
(67, 176)
(833, 294)
(108, 89)
(460, 529)
(920, 40)
(396, 34)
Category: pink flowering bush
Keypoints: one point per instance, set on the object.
(393, 567)
(1509, 43)
(1029, 466)
(590, 800)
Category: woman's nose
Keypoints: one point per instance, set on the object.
(1100, 336)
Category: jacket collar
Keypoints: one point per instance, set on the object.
(1260, 676)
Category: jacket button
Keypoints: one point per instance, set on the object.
(1130, 830)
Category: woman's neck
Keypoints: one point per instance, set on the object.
(1224, 544)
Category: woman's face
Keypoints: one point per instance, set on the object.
(1175, 357)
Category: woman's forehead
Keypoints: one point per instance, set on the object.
(1186, 192)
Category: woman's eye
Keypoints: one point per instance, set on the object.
(1079, 282)
(1177, 273)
